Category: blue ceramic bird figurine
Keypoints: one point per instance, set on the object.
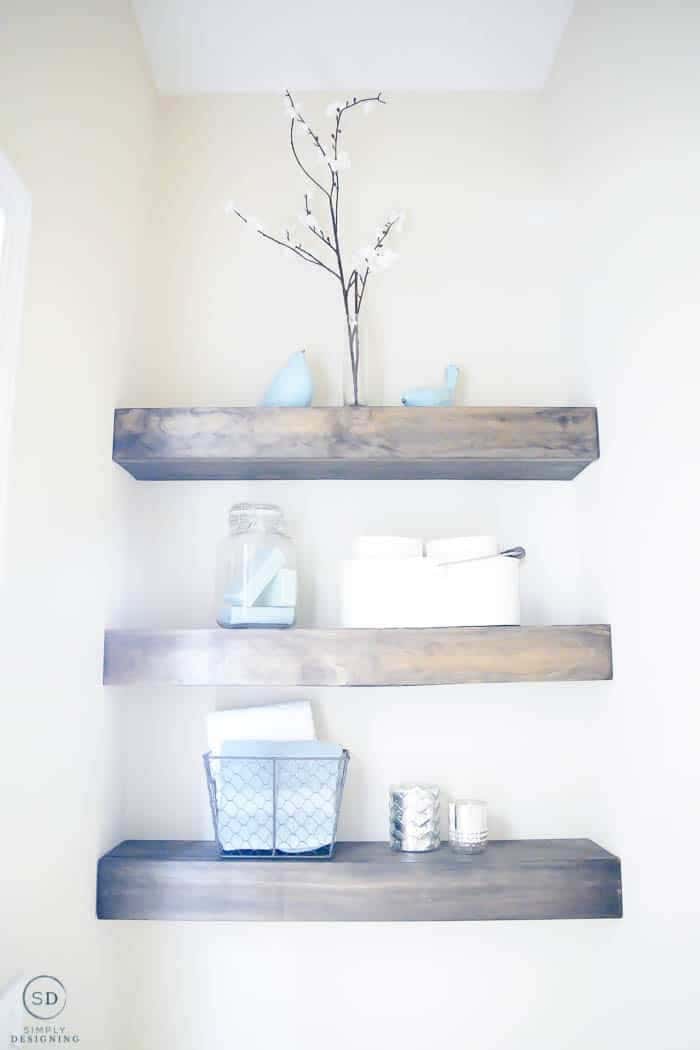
(293, 386)
(434, 396)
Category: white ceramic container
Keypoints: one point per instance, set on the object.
(387, 548)
(388, 592)
(478, 593)
(463, 583)
(461, 548)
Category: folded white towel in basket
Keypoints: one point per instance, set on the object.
(256, 795)
(289, 721)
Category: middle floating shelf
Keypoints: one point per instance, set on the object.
(358, 657)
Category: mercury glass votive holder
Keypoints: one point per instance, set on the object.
(414, 817)
(467, 829)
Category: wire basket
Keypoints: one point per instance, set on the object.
(275, 806)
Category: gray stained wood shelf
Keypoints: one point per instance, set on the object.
(357, 657)
(163, 444)
(365, 881)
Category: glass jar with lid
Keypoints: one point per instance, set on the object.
(257, 575)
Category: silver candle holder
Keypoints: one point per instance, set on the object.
(467, 825)
(414, 817)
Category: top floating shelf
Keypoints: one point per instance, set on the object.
(184, 444)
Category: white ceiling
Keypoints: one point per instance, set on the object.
(200, 46)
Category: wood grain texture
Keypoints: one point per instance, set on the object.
(343, 657)
(363, 443)
(365, 881)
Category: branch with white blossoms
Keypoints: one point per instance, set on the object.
(331, 158)
(376, 256)
(309, 220)
(289, 242)
(373, 259)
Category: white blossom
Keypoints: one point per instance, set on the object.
(231, 208)
(341, 163)
(290, 109)
(383, 259)
(364, 256)
(375, 259)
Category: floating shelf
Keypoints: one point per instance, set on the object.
(315, 657)
(167, 444)
(365, 881)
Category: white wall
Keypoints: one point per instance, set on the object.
(15, 227)
(548, 252)
(76, 122)
(624, 110)
(478, 283)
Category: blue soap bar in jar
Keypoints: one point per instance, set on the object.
(257, 577)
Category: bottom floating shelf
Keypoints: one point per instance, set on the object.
(365, 881)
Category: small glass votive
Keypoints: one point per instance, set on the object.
(414, 817)
(467, 825)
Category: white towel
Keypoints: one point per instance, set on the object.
(306, 794)
(290, 721)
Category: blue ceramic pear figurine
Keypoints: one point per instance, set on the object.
(293, 386)
(434, 396)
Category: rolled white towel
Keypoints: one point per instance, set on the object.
(288, 721)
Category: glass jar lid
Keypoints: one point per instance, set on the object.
(245, 516)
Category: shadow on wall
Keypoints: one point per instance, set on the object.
(11, 1011)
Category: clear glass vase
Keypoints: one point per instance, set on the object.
(354, 371)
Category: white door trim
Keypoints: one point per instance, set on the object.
(16, 205)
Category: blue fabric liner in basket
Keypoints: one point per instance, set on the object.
(276, 799)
